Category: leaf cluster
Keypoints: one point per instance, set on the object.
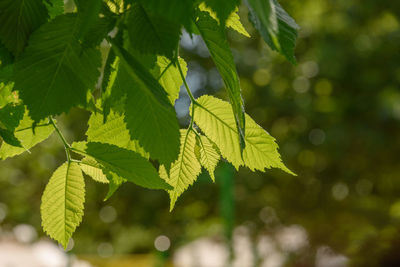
(119, 59)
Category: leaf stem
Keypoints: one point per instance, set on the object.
(185, 83)
(66, 145)
(187, 90)
(165, 70)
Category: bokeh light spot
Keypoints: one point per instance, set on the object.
(301, 84)
(24, 233)
(340, 191)
(162, 243)
(108, 214)
(261, 77)
(309, 69)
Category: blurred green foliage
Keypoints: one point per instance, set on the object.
(335, 115)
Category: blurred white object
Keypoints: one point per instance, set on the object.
(326, 257)
(242, 247)
(292, 238)
(267, 249)
(207, 252)
(272, 251)
(39, 254)
(25, 233)
(201, 252)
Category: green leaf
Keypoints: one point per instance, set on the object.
(54, 7)
(216, 120)
(98, 32)
(112, 93)
(115, 6)
(6, 73)
(276, 27)
(222, 8)
(11, 115)
(151, 33)
(6, 57)
(93, 169)
(215, 39)
(114, 183)
(208, 154)
(28, 138)
(9, 138)
(179, 11)
(122, 162)
(113, 132)
(18, 19)
(185, 169)
(55, 73)
(233, 20)
(169, 77)
(62, 203)
(149, 115)
(234, 23)
(88, 15)
(6, 95)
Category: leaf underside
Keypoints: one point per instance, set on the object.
(185, 169)
(28, 136)
(216, 120)
(62, 203)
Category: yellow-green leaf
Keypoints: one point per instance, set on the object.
(215, 118)
(232, 22)
(93, 169)
(122, 162)
(113, 132)
(208, 154)
(169, 76)
(62, 203)
(27, 136)
(185, 169)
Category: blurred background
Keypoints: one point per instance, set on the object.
(336, 118)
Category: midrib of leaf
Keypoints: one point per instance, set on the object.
(181, 162)
(142, 83)
(148, 93)
(65, 193)
(227, 125)
(27, 128)
(102, 162)
(202, 145)
(165, 70)
(89, 164)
